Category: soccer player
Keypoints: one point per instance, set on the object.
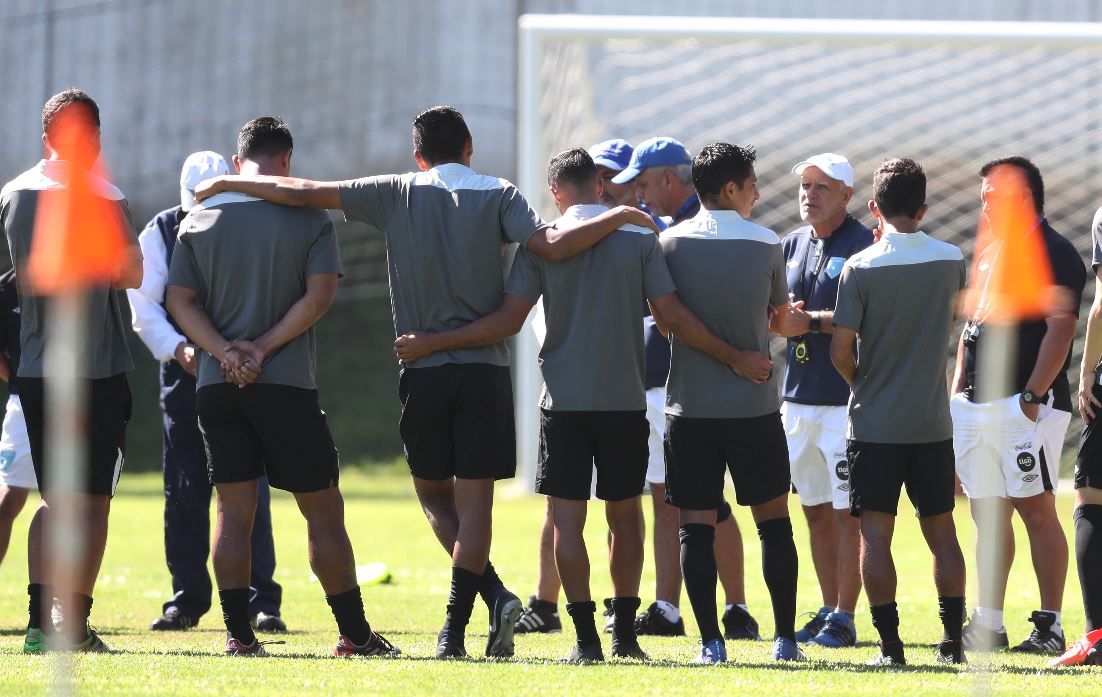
(896, 298)
(446, 228)
(71, 136)
(1008, 440)
(660, 172)
(246, 269)
(187, 488)
(730, 273)
(1088, 478)
(16, 469)
(815, 396)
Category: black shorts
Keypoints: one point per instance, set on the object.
(1088, 464)
(108, 413)
(879, 471)
(700, 451)
(277, 430)
(572, 442)
(457, 421)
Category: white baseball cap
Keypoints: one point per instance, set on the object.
(832, 165)
(199, 167)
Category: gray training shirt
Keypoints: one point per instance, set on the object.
(592, 357)
(728, 271)
(105, 352)
(446, 230)
(899, 295)
(248, 260)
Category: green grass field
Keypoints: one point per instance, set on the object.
(387, 525)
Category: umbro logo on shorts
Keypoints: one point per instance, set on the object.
(842, 470)
(1029, 478)
(1026, 462)
(843, 487)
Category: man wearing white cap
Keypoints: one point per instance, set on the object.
(815, 395)
(187, 487)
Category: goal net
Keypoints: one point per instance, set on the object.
(951, 95)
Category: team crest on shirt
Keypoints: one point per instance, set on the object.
(834, 266)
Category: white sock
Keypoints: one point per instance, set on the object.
(670, 611)
(1056, 626)
(990, 619)
(840, 611)
(743, 606)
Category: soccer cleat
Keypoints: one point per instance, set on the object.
(715, 651)
(814, 625)
(890, 655)
(377, 645)
(1043, 639)
(238, 648)
(589, 653)
(951, 651)
(172, 621)
(785, 649)
(35, 641)
(738, 624)
(610, 616)
(838, 632)
(504, 612)
(450, 644)
(1086, 651)
(653, 622)
(263, 622)
(976, 637)
(627, 647)
(540, 617)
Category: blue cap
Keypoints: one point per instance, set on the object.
(656, 152)
(614, 154)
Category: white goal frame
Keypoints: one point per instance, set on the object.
(536, 30)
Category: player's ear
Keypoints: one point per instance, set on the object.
(922, 212)
(237, 163)
(422, 163)
(874, 210)
(847, 194)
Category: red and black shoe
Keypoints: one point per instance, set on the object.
(377, 645)
(235, 647)
(1086, 651)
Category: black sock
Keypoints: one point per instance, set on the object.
(623, 611)
(698, 567)
(37, 594)
(1088, 557)
(885, 618)
(490, 586)
(461, 600)
(75, 610)
(779, 566)
(235, 612)
(582, 614)
(348, 610)
(951, 611)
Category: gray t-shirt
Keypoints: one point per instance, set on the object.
(446, 231)
(899, 295)
(248, 260)
(728, 271)
(105, 353)
(592, 356)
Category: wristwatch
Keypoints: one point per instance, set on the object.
(815, 324)
(1029, 397)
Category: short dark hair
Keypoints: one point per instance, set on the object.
(1032, 176)
(899, 187)
(264, 136)
(440, 134)
(574, 167)
(55, 104)
(720, 163)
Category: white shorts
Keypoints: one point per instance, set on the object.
(817, 452)
(1001, 452)
(656, 416)
(16, 468)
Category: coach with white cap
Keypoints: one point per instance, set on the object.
(815, 395)
(187, 488)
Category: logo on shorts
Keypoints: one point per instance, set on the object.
(1029, 478)
(1026, 462)
(6, 458)
(843, 487)
(1024, 446)
(842, 470)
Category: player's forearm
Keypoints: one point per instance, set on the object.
(1051, 355)
(1092, 344)
(490, 329)
(826, 321)
(841, 355)
(304, 314)
(687, 327)
(558, 245)
(130, 272)
(195, 321)
(289, 191)
(959, 378)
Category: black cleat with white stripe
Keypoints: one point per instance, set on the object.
(540, 617)
(1043, 639)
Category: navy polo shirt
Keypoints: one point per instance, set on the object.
(817, 381)
(657, 357)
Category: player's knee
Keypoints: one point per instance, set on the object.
(11, 503)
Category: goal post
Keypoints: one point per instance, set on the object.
(949, 94)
